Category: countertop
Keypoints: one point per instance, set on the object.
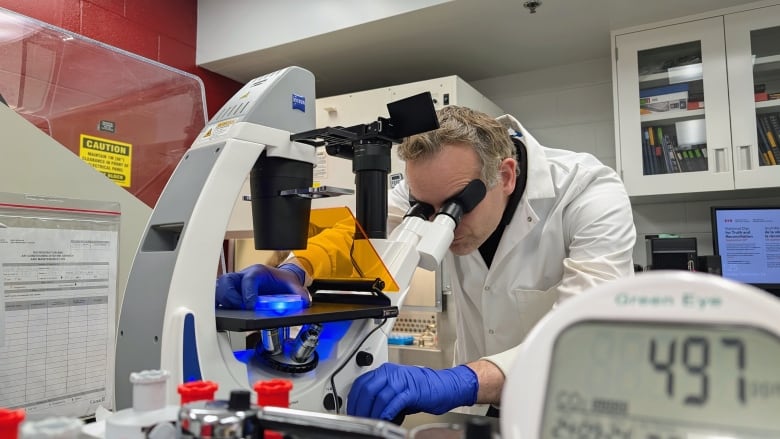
(450, 418)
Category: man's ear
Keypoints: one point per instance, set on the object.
(508, 172)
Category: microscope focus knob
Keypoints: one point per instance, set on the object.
(364, 359)
(330, 403)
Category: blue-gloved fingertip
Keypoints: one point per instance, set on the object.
(226, 292)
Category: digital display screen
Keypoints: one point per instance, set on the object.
(748, 242)
(629, 380)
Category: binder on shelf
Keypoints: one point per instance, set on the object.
(658, 159)
(765, 128)
(763, 148)
(774, 125)
(672, 165)
(700, 157)
(688, 158)
(661, 153)
(682, 159)
(646, 155)
(677, 148)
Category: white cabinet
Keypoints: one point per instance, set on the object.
(697, 103)
(753, 48)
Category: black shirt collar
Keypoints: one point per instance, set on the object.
(489, 247)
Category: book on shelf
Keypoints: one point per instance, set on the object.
(695, 105)
(662, 99)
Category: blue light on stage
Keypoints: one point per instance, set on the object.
(244, 356)
(279, 303)
(331, 333)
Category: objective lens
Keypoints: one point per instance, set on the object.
(306, 342)
(272, 340)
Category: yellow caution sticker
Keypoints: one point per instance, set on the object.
(112, 158)
(223, 126)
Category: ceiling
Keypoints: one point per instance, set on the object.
(474, 39)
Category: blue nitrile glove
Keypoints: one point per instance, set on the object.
(391, 389)
(239, 290)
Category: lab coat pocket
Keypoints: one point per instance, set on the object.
(531, 305)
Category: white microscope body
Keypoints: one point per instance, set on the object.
(167, 319)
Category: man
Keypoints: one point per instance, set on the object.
(553, 223)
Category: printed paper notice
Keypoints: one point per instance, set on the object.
(58, 289)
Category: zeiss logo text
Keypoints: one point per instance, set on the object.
(299, 102)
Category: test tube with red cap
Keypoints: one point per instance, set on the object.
(273, 393)
(194, 391)
(197, 391)
(9, 423)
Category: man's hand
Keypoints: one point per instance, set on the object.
(239, 290)
(391, 389)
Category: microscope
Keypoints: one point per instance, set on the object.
(168, 319)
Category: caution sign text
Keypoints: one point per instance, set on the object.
(112, 158)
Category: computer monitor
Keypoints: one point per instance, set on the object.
(747, 239)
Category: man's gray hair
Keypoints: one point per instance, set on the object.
(461, 125)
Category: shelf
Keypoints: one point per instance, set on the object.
(768, 104)
(693, 72)
(672, 115)
(766, 59)
(675, 75)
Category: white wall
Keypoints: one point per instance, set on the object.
(570, 107)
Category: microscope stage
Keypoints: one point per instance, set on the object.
(319, 312)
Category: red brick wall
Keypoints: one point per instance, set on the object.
(162, 30)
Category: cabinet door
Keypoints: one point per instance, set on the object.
(673, 111)
(753, 57)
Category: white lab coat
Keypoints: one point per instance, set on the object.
(572, 229)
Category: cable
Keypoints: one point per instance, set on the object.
(355, 265)
(349, 357)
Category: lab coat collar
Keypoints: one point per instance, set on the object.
(539, 183)
(539, 186)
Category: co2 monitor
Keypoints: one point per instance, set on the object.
(747, 239)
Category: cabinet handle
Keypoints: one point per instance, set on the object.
(744, 158)
(721, 159)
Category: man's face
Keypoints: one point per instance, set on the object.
(438, 178)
